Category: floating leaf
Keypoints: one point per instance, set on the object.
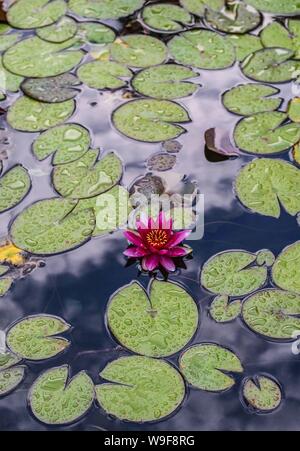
(104, 74)
(147, 185)
(4, 27)
(14, 186)
(95, 33)
(68, 142)
(264, 185)
(239, 18)
(265, 133)
(3, 270)
(271, 66)
(105, 9)
(51, 89)
(167, 81)
(166, 17)
(156, 326)
(296, 153)
(265, 257)
(29, 115)
(223, 311)
(7, 360)
(272, 313)
(34, 57)
(294, 109)
(161, 162)
(8, 40)
(10, 375)
(9, 81)
(262, 393)
(5, 285)
(60, 31)
(286, 270)
(202, 48)
(50, 227)
(244, 44)
(87, 177)
(11, 255)
(36, 337)
(140, 389)
(276, 6)
(276, 35)
(228, 273)
(150, 120)
(198, 7)
(251, 98)
(35, 13)
(204, 366)
(54, 399)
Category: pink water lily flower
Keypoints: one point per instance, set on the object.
(156, 244)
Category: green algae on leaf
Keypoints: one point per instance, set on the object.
(14, 186)
(5, 285)
(272, 313)
(51, 89)
(95, 33)
(140, 389)
(223, 311)
(265, 185)
(166, 17)
(56, 399)
(105, 9)
(35, 13)
(87, 177)
(244, 44)
(168, 81)
(240, 18)
(68, 142)
(266, 133)
(198, 7)
(104, 74)
(157, 325)
(203, 49)
(229, 273)
(286, 269)
(150, 120)
(205, 366)
(60, 31)
(9, 81)
(277, 35)
(30, 115)
(276, 6)
(138, 50)
(294, 109)
(251, 98)
(261, 393)
(10, 375)
(50, 227)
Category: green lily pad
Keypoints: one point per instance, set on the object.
(51, 89)
(34, 57)
(95, 33)
(35, 13)
(138, 50)
(8, 359)
(229, 273)
(10, 375)
(265, 185)
(50, 227)
(68, 142)
(140, 389)
(251, 98)
(105, 9)
(276, 6)
(238, 19)
(104, 75)
(198, 7)
(201, 48)
(54, 399)
(294, 109)
(61, 31)
(286, 269)
(265, 257)
(29, 115)
(204, 365)
(5, 285)
(14, 186)
(264, 133)
(8, 40)
(271, 66)
(277, 35)
(157, 325)
(244, 44)
(36, 337)
(87, 177)
(272, 313)
(167, 81)
(150, 120)
(262, 393)
(3, 270)
(166, 17)
(9, 81)
(5, 28)
(223, 311)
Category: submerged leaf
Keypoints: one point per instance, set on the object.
(105, 9)
(262, 393)
(223, 311)
(166, 17)
(51, 89)
(161, 162)
(104, 74)
(286, 269)
(35, 13)
(60, 31)
(14, 186)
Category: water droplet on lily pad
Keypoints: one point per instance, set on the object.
(35, 13)
(223, 311)
(166, 17)
(105, 9)
(14, 186)
(261, 393)
(104, 74)
(286, 269)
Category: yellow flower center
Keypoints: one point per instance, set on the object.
(157, 238)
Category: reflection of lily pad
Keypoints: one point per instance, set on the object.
(61, 31)
(10, 375)
(202, 48)
(140, 389)
(264, 185)
(198, 7)
(251, 98)
(138, 50)
(264, 133)
(205, 366)
(240, 19)
(95, 33)
(286, 270)
(9, 81)
(87, 177)
(150, 120)
(156, 326)
(228, 273)
(5, 284)
(36, 337)
(276, 35)
(276, 6)
(223, 311)
(272, 313)
(54, 399)
(105, 9)
(29, 115)
(35, 13)
(104, 74)
(294, 109)
(51, 89)
(50, 227)
(244, 44)
(68, 141)
(262, 393)
(167, 81)
(14, 186)
(166, 17)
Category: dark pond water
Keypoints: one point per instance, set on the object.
(78, 284)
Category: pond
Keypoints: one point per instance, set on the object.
(200, 96)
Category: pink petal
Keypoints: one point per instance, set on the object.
(177, 252)
(135, 252)
(178, 237)
(133, 238)
(167, 263)
(150, 262)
